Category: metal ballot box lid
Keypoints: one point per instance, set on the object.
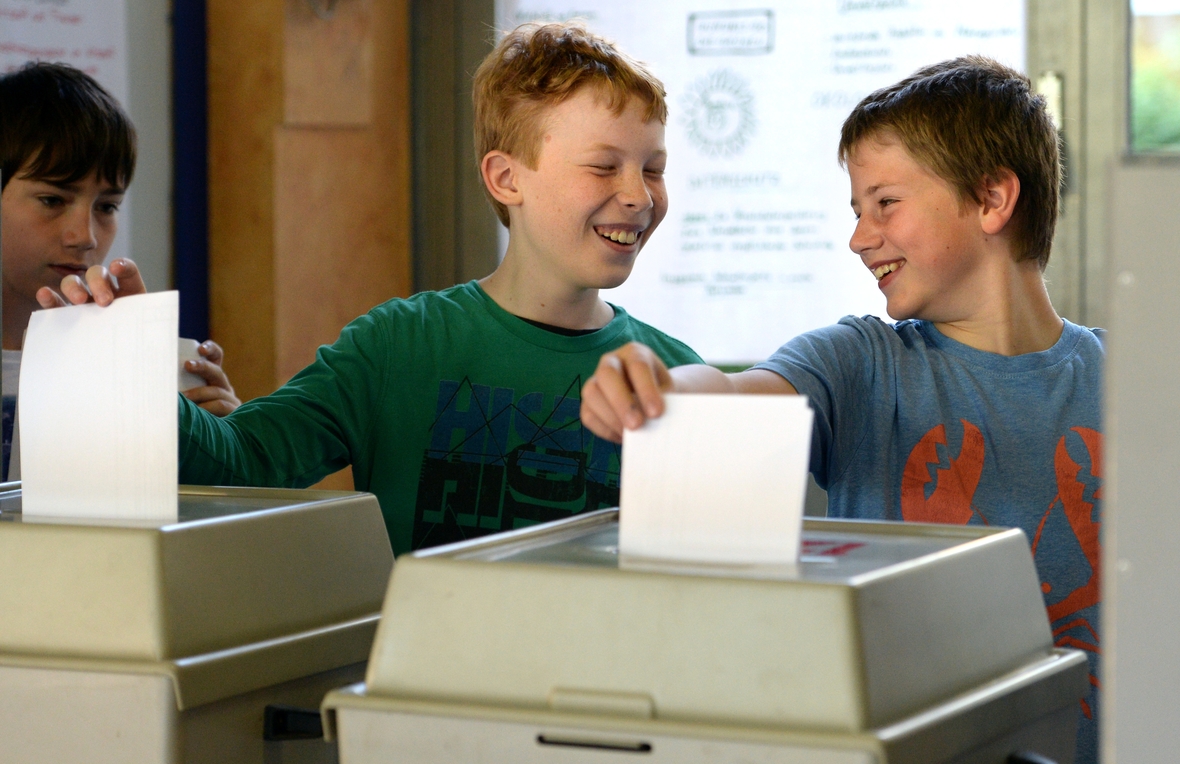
(877, 622)
(251, 587)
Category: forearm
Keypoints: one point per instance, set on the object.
(698, 378)
(707, 379)
(255, 448)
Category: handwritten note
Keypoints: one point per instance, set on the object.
(717, 479)
(97, 407)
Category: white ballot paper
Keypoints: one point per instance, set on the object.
(97, 407)
(718, 479)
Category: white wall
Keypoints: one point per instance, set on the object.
(149, 102)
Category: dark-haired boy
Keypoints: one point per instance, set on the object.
(459, 408)
(67, 155)
(981, 405)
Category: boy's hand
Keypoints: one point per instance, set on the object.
(217, 396)
(626, 390)
(102, 285)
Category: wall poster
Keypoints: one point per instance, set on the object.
(754, 249)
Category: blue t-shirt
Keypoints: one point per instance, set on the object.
(912, 425)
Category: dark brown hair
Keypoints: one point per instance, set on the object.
(60, 125)
(967, 120)
(537, 66)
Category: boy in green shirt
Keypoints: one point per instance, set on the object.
(459, 409)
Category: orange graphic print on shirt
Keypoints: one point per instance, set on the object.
(1073, 613)
(951, 499)
(1071, 601)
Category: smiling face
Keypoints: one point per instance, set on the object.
(924, 245)
(595, 196)
(51, 230)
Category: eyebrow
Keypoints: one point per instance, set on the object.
(74, 187)
(874, 189)
(609, 147)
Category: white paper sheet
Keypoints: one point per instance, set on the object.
(97, 407)
(718, 479)
(186, 350)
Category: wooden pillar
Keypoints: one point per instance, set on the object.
(309, 177)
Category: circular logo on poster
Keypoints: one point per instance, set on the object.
(719, 113)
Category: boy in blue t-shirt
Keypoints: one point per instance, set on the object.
(981, 404)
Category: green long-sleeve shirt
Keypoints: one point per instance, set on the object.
(460, 417)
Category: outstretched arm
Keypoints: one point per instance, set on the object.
(629, 384)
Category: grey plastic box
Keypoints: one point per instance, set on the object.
(889, 642)
(151, 642)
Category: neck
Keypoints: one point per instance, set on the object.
(532, 294)
(1014, 315)
(16, 317)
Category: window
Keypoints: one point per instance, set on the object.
(1155, 75)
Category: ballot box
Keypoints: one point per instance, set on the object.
(191, 641)
(888, 643)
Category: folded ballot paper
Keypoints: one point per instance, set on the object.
(97, 411)
(718, 480)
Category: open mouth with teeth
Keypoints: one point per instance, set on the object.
(881, 271)
(619, 237)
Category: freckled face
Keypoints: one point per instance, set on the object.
(914, 233)
(51, 230)
(597, 193)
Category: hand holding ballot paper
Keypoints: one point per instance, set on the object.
(212, 391)
(716, 479)
(629, 384)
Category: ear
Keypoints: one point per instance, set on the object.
(999, 195)
(499, 171)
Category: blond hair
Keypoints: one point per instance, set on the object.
(967, 120)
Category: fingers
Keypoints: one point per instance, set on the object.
(211, 351)
(597, 414)
(105, 285)
(216, 400)
(626, 390)
(212, 373)
(100, 285)
(74, 290)
(128, 280)
(217, 396)
(649, 378)
(47, 298)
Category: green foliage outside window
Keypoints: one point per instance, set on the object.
(1155, 84)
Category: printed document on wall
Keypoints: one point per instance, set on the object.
(754, 249)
